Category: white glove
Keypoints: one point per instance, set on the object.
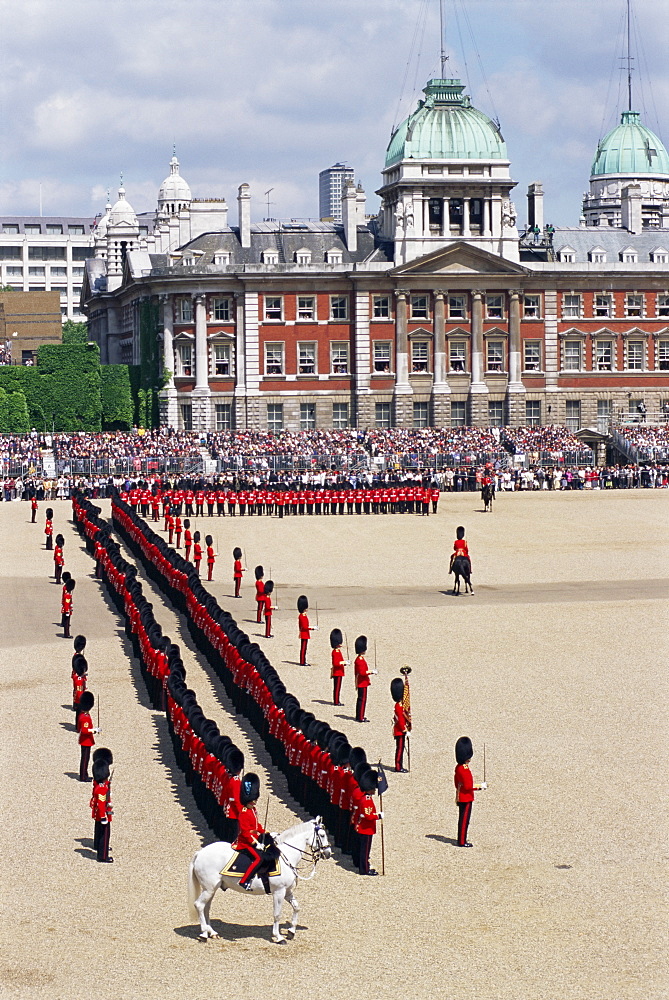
(97, 730)
(104, 821)
(484, 785)
(315, 628)
(373, 671)
(380, 815)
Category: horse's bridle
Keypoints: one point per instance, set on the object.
(313, 854)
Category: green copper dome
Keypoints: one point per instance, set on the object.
(630, 148)
(446, 127)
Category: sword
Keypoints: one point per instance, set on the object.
(375, 656)
(316, 614)
(484, 761)
(346, 640)
(98, 712)
(383, 842)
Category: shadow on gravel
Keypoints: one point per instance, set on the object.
(72, 774)
(84, 841)
(69, 726)
(68, 706)
(442, 840)
(231, 932)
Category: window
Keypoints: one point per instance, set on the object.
(274, 359)
(223, 416)
(381, 356)
(306, 359)
(663, 355)
(10, 253)
(457, 307)
(36, 272)
(303, 256)
(572, 355)
(635, 355)
(187, 416)
(597, 256)
(75, 230)
(435, 208)
(340, 416)
(421, 417)
(381, 307)
(273, 308)
(532, 306)
(220, 310)
(339, 358)
(494, 306)
(663, 305)
(604, 355)
(32, 230)
(659, 256)
(333, 257)
(222, 258)
(629, 256)
(338, 307)
(275, 417)
(533, 412)
(77, 272)
(10, 229)
(382, 414)
(458, 414)
(567, 256)
(496, 413)
(184, 359)
(571, 306)
(457, 355)
(634, 305)
(532, 362)
(307, 416)
(270, 256)
(306, 308)
(185, 310)
(573, 420)
(58, 272)
(603, 305)
(46, 253)
(495, 355)
(419, 356)
(603, 415)
(419, 307)
(222, 359)
(17, 272)
(54, 230)
(82, 253)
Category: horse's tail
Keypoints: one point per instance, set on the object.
(194, 887)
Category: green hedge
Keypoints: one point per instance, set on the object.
(27, 381)
(13, 413)
(71, 385)
(118, 411)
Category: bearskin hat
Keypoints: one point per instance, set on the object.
(302, 604)
(103, 753)
(196, 536)
(209, 540)
(269, 586)
(234, 760)
(464, 750)
(86, 701)
(460, 532)
(369, 780)
(49, 513)
(79, 643)
(360, 769)
(340, 754)
(305, 721)
(186, 523)
(60, 540)
(70, 585)
(237, 552)
(397, 688)
(250, 789)
(259, 572)
(361, 644)
(357, 754)
(100, 770)
(336, 638)
(65, 577)
(79, 664)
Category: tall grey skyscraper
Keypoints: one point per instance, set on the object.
(331, 183)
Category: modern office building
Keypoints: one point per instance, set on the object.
(331, 184)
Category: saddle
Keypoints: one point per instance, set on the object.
(241, 861)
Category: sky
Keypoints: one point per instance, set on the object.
(270, 92)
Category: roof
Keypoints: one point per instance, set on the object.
(47, 220)
(446, 127)
(630, 148)
(584, 239)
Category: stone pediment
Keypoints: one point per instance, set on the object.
(459, 258)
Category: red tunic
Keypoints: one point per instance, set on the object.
(66, 605)
(197, 552)
(464, 783)
(85, 726)
(260, 590)
(361, 673)
(460, 547)
(303, 626)
(237, 572)
(337, 663)
(101, 801)
(399, 720)
(366, 816)
(250, 828)
(211, 559)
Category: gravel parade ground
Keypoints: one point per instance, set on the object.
(557, 663)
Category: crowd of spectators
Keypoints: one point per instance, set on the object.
(306, 449)
(127, 445)
(5, 352)
(552, 442)
(650, 441)
(21, 450)
(425, 445)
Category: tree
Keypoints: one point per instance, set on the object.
(75, 333)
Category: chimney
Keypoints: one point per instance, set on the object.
(535, 205)
(349, 212)
(244, 203)
(361, 202)
(631, 208)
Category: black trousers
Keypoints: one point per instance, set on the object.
(83, 763)
(336, 690)
(400, 743)
(464, 814)
(365, 847)
(361, 704)
(101, 839)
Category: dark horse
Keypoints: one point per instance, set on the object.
(487, 495)
(462, 568)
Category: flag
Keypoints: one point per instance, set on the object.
(383, 781)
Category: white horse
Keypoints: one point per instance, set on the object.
(306, 841)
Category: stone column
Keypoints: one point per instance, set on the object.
(478, 390)
(403, 390)
(486, 217)
(169, 409)
(515, 387)
(240, 363)
(446, 218)
(466, 227)
(201, 392)
(441, 389)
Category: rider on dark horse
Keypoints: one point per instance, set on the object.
(460, 548)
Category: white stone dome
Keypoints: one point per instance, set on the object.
(174, 190)
(122, 213)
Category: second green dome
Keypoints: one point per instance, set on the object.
(630, 148)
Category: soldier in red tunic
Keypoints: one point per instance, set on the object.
(338, 664)
(464, 787)
(399, 723)
(304, 628)
(66, 607)
(460, 548)
(268, 608)
(48, 529)
(33, 507)
(58, 557)
(177, 531)
(362, 681)
(365, 819)
(211, 557)
(188, 537)
(250, 827)
(79, 675)
(260, 591)
(101, 807)
(197, 552)
(86, 732)
(237, 570)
